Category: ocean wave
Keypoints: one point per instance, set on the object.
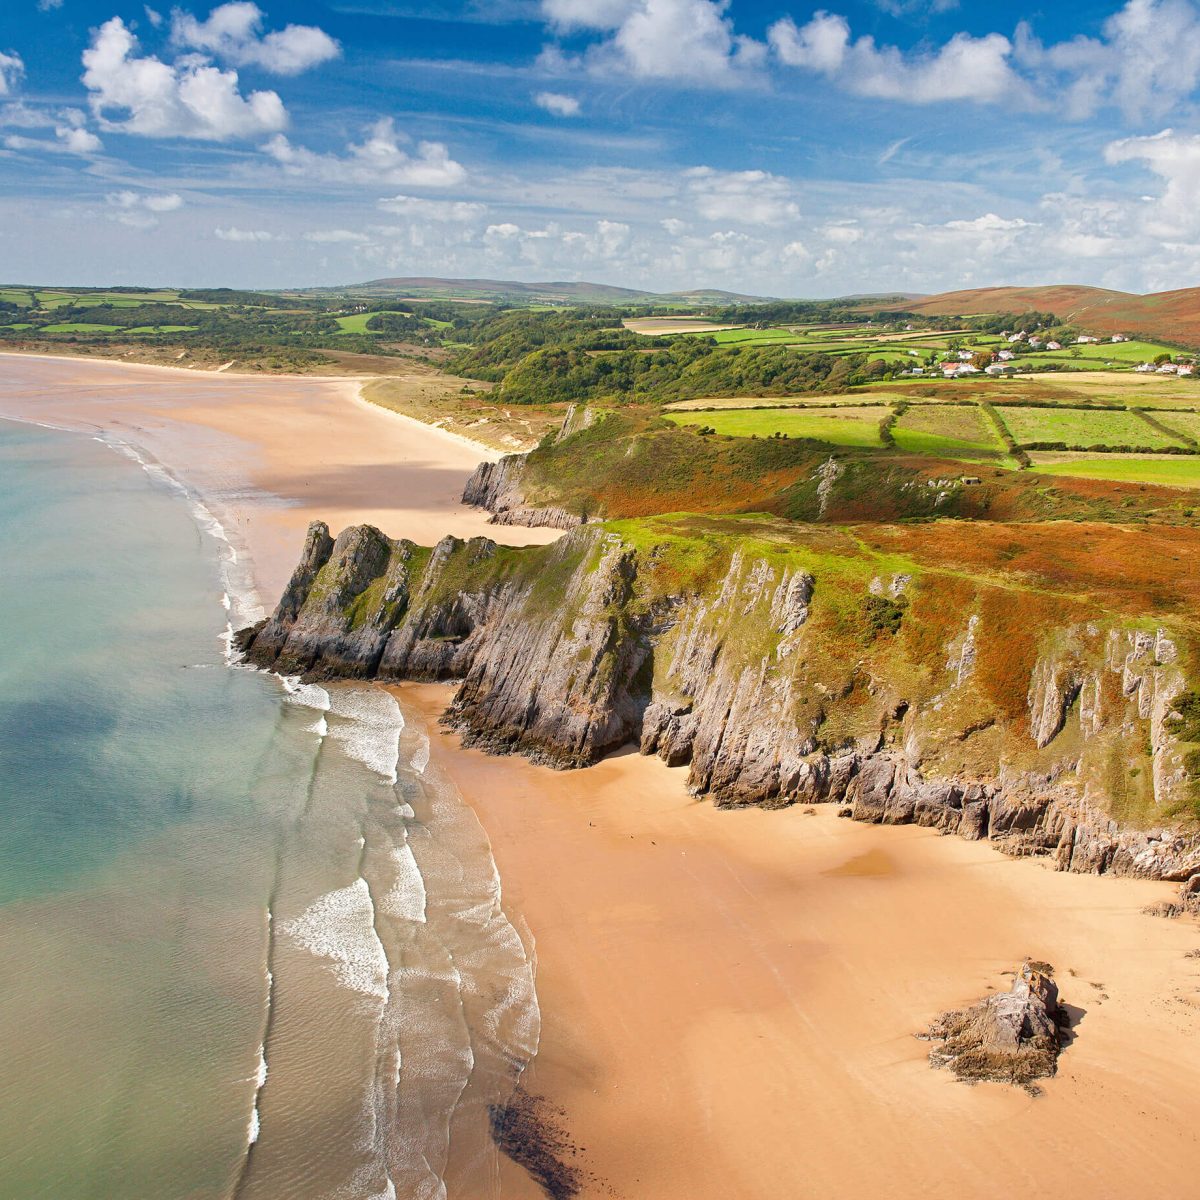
(406, 898)
(340, 928)
(420, 758)
(370, 729)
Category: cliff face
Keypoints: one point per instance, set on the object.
(497, 487)
(783, 666)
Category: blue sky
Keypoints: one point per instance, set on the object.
(776, 148)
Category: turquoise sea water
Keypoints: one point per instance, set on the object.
(249, 944)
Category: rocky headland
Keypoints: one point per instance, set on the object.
(783, 665)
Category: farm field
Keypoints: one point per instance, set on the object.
(1187, 423)
(653, 326)
(79, 327)
(860, 398)
(846, 425)
(1082, 427)
(950, 430)
(1169, 470)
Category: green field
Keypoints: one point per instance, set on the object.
(1169, 470)
(357, 322)
(948, 430)
(755, 337)
(846, 425)
(1082, 427)
(79, 327)
(1187, 423)
(163, 329)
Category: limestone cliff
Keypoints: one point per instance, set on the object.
(783, 665)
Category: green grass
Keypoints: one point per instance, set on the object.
(751, 337)
(18, 325)
(79, 327)
(357, 323)
(949, 431)
(1081, 427)
(163, 329)
(1187, 423)
(1169, 470)
(843, 426)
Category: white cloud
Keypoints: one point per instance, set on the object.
(70, 136)
(49, 5)
(1146, 63)
(674, 226)
(433, 210)
(140, 210)
(557, 103)
(964, 68)
(11, 70)
(379, 160)
(233, 234)
(189, 98)
(233, 32)
(659, 39)
(744, 197)
(1175, 158)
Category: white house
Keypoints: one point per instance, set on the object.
(1119, 337)
(1053, 346)
(1144, 368)
(1005, 355)
(1017, 337)
(998, 369)
(1084, 340)
(1168, 369)
(1035, 343)
(1186, 369)
(965, 355)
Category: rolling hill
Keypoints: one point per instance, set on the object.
(559, 292)
(1174, 316)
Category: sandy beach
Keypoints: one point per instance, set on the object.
(729, 999)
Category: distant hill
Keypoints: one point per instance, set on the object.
(560, 292)
(1171, 315)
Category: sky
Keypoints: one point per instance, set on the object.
(774, 148)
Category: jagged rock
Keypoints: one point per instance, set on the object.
(1010, 1037)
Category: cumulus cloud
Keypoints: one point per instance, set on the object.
(68, 124)
(433, 210)
(557, 103)
(190, 98)
(49, 5)
(659, 39)
(11, 70)
(977, 69)
(378, 160)
(744, 197)
(1145, 64)
(1174, 158)
(141, 210)
(234, 33)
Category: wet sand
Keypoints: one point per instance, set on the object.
(268, 454)
(730, 999)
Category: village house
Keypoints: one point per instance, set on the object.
(1186, 369)
(1168, 369)
(1144, 368)
(1119, 337)
(1053, 346)
(1005, 355)
(1085, 340)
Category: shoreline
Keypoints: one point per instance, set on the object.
(735, 995)
(268, 455)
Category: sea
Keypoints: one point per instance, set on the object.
(252, 943)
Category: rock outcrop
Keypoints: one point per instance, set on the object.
(497, 487)
(1010, 1037)
(780, 671)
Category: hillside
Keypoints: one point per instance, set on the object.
(1172, 315)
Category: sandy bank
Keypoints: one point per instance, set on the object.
(729, 998)
(268, 454)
